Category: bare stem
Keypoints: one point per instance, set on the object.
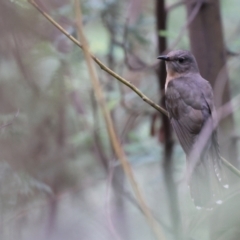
(109, 124)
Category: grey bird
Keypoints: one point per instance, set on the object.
(189, 101)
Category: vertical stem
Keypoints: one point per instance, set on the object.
(166, 129)
(207, 45)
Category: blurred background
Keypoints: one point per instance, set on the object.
(59, 175)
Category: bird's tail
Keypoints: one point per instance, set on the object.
(209, 182)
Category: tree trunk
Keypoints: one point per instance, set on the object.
(207, 45)
(166, 130)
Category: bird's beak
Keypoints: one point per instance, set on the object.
(164, 57)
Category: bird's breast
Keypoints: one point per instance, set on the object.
(170, 77)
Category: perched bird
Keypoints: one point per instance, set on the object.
(189, 101)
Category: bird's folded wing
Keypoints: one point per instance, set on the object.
(187, 127)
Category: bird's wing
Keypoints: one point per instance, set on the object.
(187, 109)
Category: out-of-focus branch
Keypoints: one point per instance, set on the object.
(109, 124)
(107, 200)
(232, 53)
(175, 5)
(231, 167)
(10, 122)
(189, 20)
(142, 65)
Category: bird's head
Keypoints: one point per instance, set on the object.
(180, 62)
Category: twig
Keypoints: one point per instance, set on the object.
(231, 167)
(11, 122)
(110, 128)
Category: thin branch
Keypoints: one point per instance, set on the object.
(232, 53)
(11, 122)
(110, 128)
(145, 66)
(231, 167)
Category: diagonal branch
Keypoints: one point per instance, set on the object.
(109, 124)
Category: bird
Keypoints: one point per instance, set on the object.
(190, 105)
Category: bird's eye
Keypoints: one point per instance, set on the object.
(181, 60)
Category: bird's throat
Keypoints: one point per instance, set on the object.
(170, 76)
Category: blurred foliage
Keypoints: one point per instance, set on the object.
(52, 152)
